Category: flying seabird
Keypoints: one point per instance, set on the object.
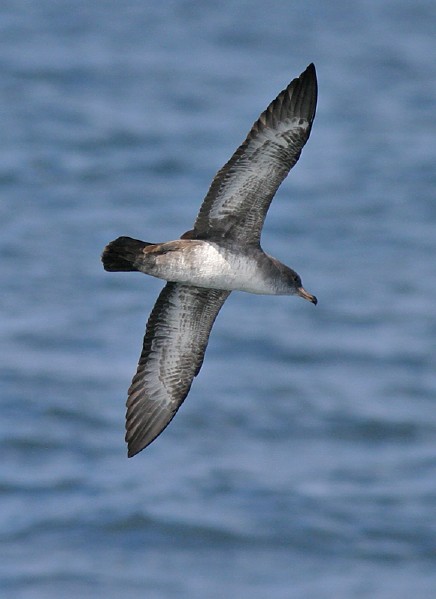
(222, 253)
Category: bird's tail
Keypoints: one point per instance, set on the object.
(121, 254)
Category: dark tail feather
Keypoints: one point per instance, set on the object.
(121, 254)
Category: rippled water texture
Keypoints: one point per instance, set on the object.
(303, 463)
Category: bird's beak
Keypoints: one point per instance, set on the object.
(307, 296)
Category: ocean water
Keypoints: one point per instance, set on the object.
(303, 463)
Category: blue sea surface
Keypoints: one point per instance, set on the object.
(303, 463)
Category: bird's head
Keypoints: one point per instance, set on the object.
(296, 286)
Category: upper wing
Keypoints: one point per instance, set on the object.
(174, 344)
(241, 192)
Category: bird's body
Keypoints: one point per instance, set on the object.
(213, 265)
(221, 254)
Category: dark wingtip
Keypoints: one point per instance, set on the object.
(311, 68)
(134, 447)
(309, 72)
(306, 93)
(299, 98)
(131, 452)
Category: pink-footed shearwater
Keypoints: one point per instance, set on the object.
(222, 253)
